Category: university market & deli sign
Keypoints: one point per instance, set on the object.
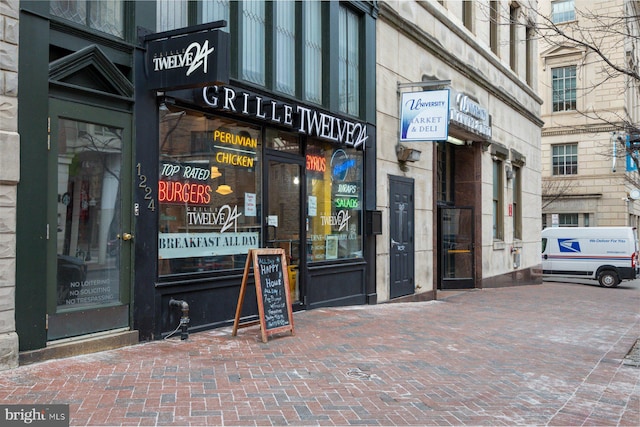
(425, 115)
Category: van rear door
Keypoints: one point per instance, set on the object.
(546, 261)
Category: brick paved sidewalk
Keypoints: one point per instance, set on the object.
(532, 355)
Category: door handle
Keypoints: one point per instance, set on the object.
(393, 242)
(125, 236)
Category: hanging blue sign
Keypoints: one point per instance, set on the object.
(631, 164)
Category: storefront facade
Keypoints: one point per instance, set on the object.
(237, 170)
(151, 189)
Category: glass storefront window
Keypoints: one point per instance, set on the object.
(208, 192)
(334, 202)
(88, 251)
(286, 142)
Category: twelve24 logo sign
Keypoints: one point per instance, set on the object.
(569, 245)
(44, 415)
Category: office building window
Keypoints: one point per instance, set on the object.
(494, 26)
(563, 80)
(253, 42)
(285, 47)
(171, 14)
(348, 62)
(498, 229)
(530, 40)
(106, 15)
(174, 14)
(517, 203)
(563, 11)
(282, 45)
(513, 36)
(564, 159)
(215, 10)
(568, 220)
(467, 14)
(313, 52)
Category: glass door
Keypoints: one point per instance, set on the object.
(283, 186)
(90, 240)
(456, 248)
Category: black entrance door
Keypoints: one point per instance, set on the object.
(401, 231)
(456, 248)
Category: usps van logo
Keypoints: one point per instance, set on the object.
(569, 245)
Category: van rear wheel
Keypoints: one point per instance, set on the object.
(608, 279)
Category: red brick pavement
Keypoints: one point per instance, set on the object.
(549, 354)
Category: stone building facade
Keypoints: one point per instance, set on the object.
(465, 214)
(9, 177)
(589, 108)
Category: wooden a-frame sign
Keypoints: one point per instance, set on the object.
(272, 292)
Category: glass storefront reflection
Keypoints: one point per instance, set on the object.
(208, 192)
(89, 162)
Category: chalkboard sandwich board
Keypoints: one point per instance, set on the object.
(272, 292)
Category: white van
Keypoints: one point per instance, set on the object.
(606, 254)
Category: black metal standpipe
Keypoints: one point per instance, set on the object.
(184, 320)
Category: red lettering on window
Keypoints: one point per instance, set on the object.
(316, 163)
(178, 192)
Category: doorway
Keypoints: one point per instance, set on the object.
(284, 216)
(90, 243)
(401, 230)
(456, 242)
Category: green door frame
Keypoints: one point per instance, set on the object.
(92, 114)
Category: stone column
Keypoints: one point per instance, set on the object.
(9, 177)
